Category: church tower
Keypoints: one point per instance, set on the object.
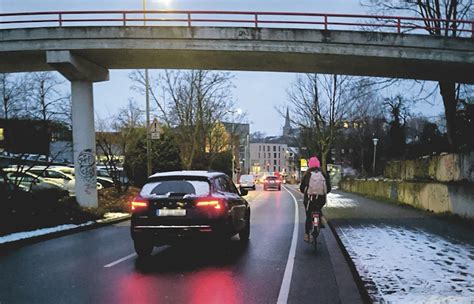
(287, 126)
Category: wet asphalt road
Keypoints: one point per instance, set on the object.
(71, 269)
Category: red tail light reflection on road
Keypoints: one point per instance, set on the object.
(214, 286)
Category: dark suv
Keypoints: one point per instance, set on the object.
(187, 204)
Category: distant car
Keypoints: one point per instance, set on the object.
(39, 157)
(188, 204)
(272, 182)
(247, 182)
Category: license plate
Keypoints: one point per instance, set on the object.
(171, 212)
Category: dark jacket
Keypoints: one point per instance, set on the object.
(321, 200)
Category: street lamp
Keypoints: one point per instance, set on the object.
(147, 108)
(375, 141)
(232, 136)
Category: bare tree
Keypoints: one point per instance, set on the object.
(126, 122)
(320, 105)
(441, 18)
(47, 99)
(110, 145)
(46, 96)
(13, 91)
(192, 103)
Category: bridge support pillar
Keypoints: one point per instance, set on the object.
(82, 74)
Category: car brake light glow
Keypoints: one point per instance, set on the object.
(139, 202)
(213, 203)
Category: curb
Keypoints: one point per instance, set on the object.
(52, 235)
(355, 274)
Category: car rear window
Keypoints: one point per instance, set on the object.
(176, 187)
(246, 178)
(271, 177)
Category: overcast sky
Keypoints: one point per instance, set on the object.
(257, 93)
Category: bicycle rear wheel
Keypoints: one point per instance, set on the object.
(315, 238)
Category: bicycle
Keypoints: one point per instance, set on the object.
(315, 225)
(315, 228)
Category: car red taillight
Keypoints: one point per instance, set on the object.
(139, 203)
(216, 204)
(210, 203)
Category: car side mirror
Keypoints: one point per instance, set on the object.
(244, 192)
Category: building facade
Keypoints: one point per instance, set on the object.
(269, 157)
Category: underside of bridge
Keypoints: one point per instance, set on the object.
(85, 54)
(281, 50)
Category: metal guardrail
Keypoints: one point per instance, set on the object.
(398, 24)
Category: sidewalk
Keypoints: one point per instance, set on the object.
(27, 237)
(403, 254)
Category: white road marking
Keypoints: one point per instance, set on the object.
(285, 285)
(120, 260)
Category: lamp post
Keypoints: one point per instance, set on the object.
(232, 136)
(375, 141)
(147, 108)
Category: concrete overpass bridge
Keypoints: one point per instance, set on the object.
(84, 53)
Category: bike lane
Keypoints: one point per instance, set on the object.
(323, 276)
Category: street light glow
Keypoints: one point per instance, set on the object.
(164, 3)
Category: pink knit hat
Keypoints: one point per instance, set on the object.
(314, 162)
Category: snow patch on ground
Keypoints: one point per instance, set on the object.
(400, 265)
(338, 201)
(114, 215)
(29, 234)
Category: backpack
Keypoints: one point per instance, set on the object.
(317, 184)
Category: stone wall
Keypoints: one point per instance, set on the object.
(441, 168)
(456, 198)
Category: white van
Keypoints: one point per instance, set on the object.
(247, 182)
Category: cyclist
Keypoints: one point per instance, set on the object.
(316, 204)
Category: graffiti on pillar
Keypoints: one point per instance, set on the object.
(86, 161)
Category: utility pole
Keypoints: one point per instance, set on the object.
(147, 101)
(375, 140)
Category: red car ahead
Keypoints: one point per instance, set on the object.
(272, 182)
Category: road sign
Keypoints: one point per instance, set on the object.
(155, 126)
(155, 129)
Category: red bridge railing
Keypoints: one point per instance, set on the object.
(398, 24)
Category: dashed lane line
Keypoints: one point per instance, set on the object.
(120, 260)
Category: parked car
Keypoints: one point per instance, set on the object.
(35, 184)
(247, 182)
(11, 192)
(69, 172)
(55, 175)
(272, 182)
(104, 177)
(180, 205)
(38, 157)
